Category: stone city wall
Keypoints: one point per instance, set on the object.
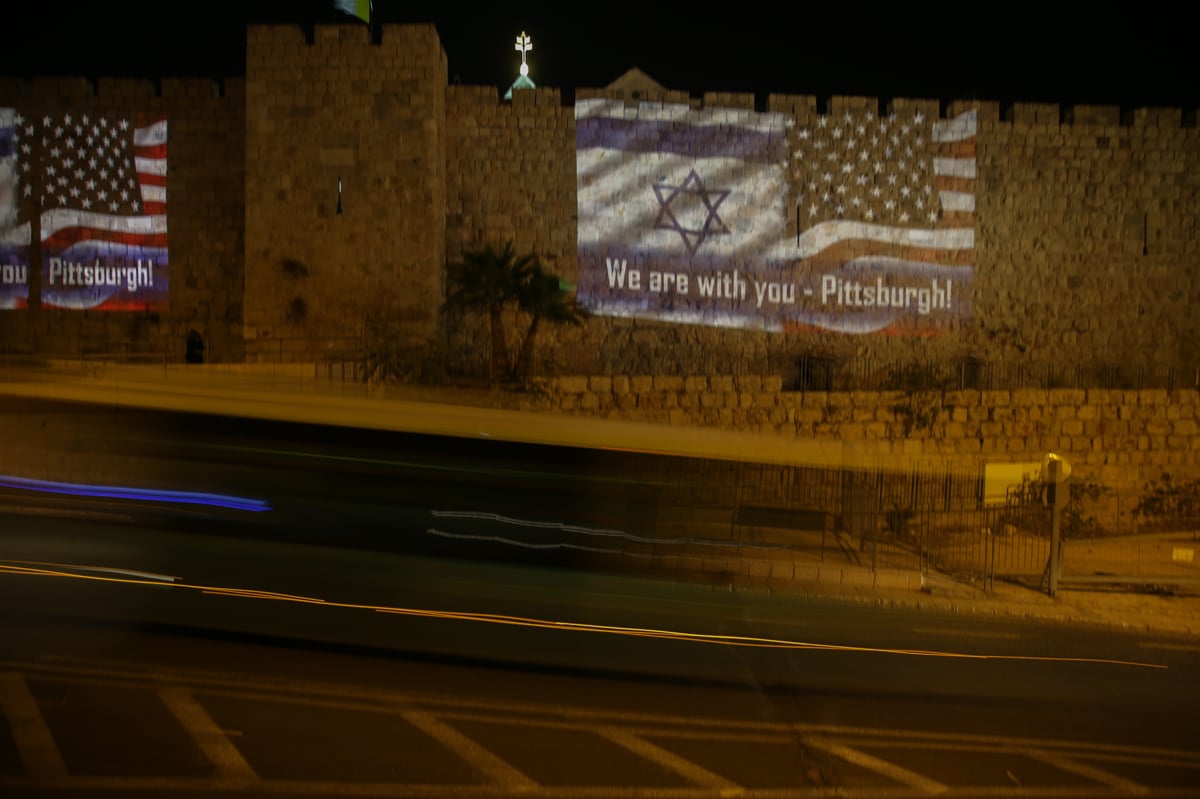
(333, 183)
(1085, 217)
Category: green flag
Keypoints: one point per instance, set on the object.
(357, 8)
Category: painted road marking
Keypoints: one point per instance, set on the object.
(1090, 772)
(492, 767)
(879, 766)
(442, 710)
(693, 773)
(212, 740)
(35, 744)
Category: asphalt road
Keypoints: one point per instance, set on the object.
(335, 646)
(229, 674)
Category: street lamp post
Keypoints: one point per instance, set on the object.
(1056, 472)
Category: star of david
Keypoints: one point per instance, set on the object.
(690, 209)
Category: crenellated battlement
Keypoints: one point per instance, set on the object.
(1018, 114)
(393, 39)
(402, 49)
(812, 106)
(1015, 114)
(136, 91)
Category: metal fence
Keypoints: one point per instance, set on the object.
(915, 519)
(984, 544)
(1166, 562)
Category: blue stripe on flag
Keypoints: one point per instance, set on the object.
(681, 138)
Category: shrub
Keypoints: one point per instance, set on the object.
(1168, 500)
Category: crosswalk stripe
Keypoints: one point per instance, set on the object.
(1091, 772)
(883, 767)
(215, 744)
(656, 754)
(35, 744)
(495, 769)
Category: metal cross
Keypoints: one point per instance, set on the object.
(524, 44)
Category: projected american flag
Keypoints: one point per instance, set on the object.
(99, 184)
(854, 223)
(14, 235)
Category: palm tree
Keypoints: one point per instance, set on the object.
(542, 296)
(487, 281)
(492, 282)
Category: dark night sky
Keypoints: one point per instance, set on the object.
(1140, 55)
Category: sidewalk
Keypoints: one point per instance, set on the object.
(830, 575)
(1118, 609)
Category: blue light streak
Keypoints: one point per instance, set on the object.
(144, 494)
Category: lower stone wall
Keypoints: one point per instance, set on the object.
(1120, 442)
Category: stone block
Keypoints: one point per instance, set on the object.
(600, 384)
